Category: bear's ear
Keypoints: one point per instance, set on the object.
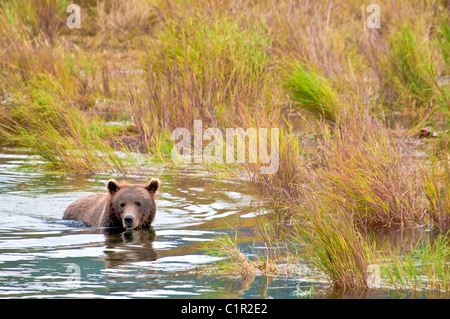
(112, 186)
(153, 185)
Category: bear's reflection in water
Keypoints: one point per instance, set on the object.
(123, 247)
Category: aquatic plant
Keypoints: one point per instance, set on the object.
(424, 267)
(333, 245)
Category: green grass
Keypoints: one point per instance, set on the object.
(41, 18)
(443, 37)
(424, 267)
(65, 138)
(311, 91)
(334, 246)
(414, 69)
(410, 72)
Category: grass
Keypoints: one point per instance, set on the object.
(436, 186)
(371, 172)
(422, 268)
(234, 261)
(65, 138)
(202, 68)
(164, 64)
(363, 174)
(48, 93)
(39, 18)
(335, 247)
(311, 91)
(443, 38)
(410, 78)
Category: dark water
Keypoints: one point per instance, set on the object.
(43, 256)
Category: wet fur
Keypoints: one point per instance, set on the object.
(103, 209)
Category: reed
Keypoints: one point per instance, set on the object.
(436, 187)
(372, 171)
(423, 267)
(311, 91)
(200, 67)
(58, 132)
(334, 246)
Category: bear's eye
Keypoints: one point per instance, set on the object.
(138, 203)
(122, 204)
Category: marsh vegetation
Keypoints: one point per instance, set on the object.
(363, 115)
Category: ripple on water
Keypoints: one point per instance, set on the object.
(39, 251)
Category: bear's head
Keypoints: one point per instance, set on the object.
(133, 205)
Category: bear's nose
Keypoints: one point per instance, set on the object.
(128, 220)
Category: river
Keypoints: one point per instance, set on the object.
(43, 256)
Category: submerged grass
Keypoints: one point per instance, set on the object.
(425, 267)
(234, 261)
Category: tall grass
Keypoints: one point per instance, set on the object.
(363, 175)
(443, 38)
(129, 18)
(410, 75)
(410, 57)
(311, 91)
(57, 131)
(362, 178)
(37, 18)
(372, 172)
(208, 68)
(436, 186)
(424, 267)
(48, 93)
(334, 246)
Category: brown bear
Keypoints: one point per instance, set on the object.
(126, 206)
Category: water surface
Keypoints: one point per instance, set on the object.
(43, 256)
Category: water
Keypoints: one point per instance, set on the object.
(43, 256)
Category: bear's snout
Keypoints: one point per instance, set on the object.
(128, 221)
